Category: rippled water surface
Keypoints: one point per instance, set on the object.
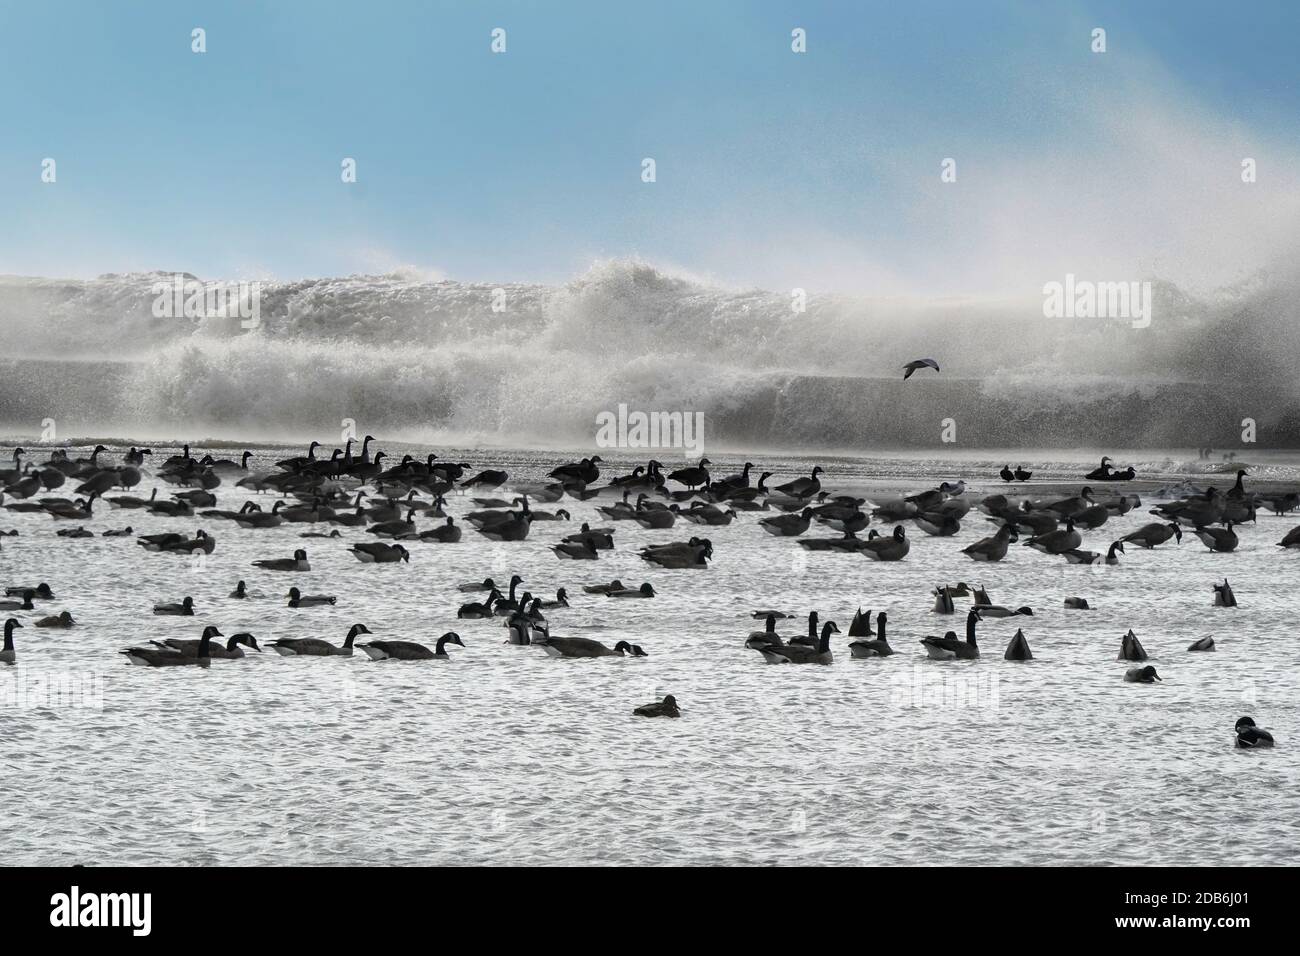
(506, 755)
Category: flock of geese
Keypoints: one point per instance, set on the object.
(383, 499)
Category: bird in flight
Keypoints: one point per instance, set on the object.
(911, 367)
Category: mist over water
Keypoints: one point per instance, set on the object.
(432, 360)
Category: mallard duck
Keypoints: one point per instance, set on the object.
(61, 620)
(665, 708)
(1141, 675)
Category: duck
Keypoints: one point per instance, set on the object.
(410, 650)
(8, 655)
(1131, 649)
(1055, 542)
(581, 647)
(1022, 475)
(1223, 596)
(949, 647)
(321, 534)
(297, 563)
(297, 599)
(156, 657)
(1291, 539)
(1156, 533)
(232, 650)
(184, 609)
(1249, 736)
(697, 556)
(1141, 675)
(600, 539)
(998, 610)
(664, 708)
(61, 620)
(943, 602)
(1006, 474)
(41, 592)
(1218, 539)
(487, 584)
(1077, 604)
(315, 646)
(801, 653)
(240, 592)
(993, 548)
(23, 605)
(860, 626)
(1202, 644)
(878, 647)
(787, 525)
(803, 487)
(644, 591)
(892, 548)
(615, 585)
(1018, 649)
(377, 552)
(126, 532)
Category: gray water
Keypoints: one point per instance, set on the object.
(505, 755)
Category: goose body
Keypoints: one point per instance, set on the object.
(992, 548)
(1131, 649)
(190, 648)
(1055, 542)
(377, 552)
(1018, 649)
(950, 647)
(184, 609)
(793, 653)
(8, 655)
(410, 650)
(299, 600)
(61, 620)
(877, 647)
(582, 647)
(1204, 644)
(1223, 596)
(297, 563)
(1218, 539)
(1250, 737)
(644, 591)
(158, 657)
(315, 647)
(892, 548)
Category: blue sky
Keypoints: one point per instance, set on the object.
(819, 169)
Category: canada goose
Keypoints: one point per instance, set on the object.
(692, 477)
(1092, 517)
(391, 529)
(512, 602)
(1131, 649)
(156, 657)
(584, 471)
(802, 487)
(1150, 535)
(79, 510)
(615, 585)
(297, 599)
(476, 610)
(696, 557)
(576, 551)
(321, 534)
(561, 600)
(513, 528)
(644, 591)
(260, 519)
(879, 647)
(787, 526)
(1292, 539)
(601, 539)
(1018, 649)
(130, 501)
(24, 605)
(126, 532)
(1055, 542)
(992, 548)
(709, 515)
(41, 592)
(768, 637)
(448, 533)
(1079, 556)
(377, 552)
(1218, 539)
(949, 647)
(62, 619)
(860, 626)
(1223, 596)
(1077, 604)
(725, 487)
(892, 548)
(184, 609)
(487, 479)
(410, 650)
(801, 653)
(581, 647)
(315, 647)
(1249, 737)
(8, 655)
(1141, 675)
(665, 708)
(1203, 644)
(232, 650)
(915, 364)
(297, 563)
(937, 524)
